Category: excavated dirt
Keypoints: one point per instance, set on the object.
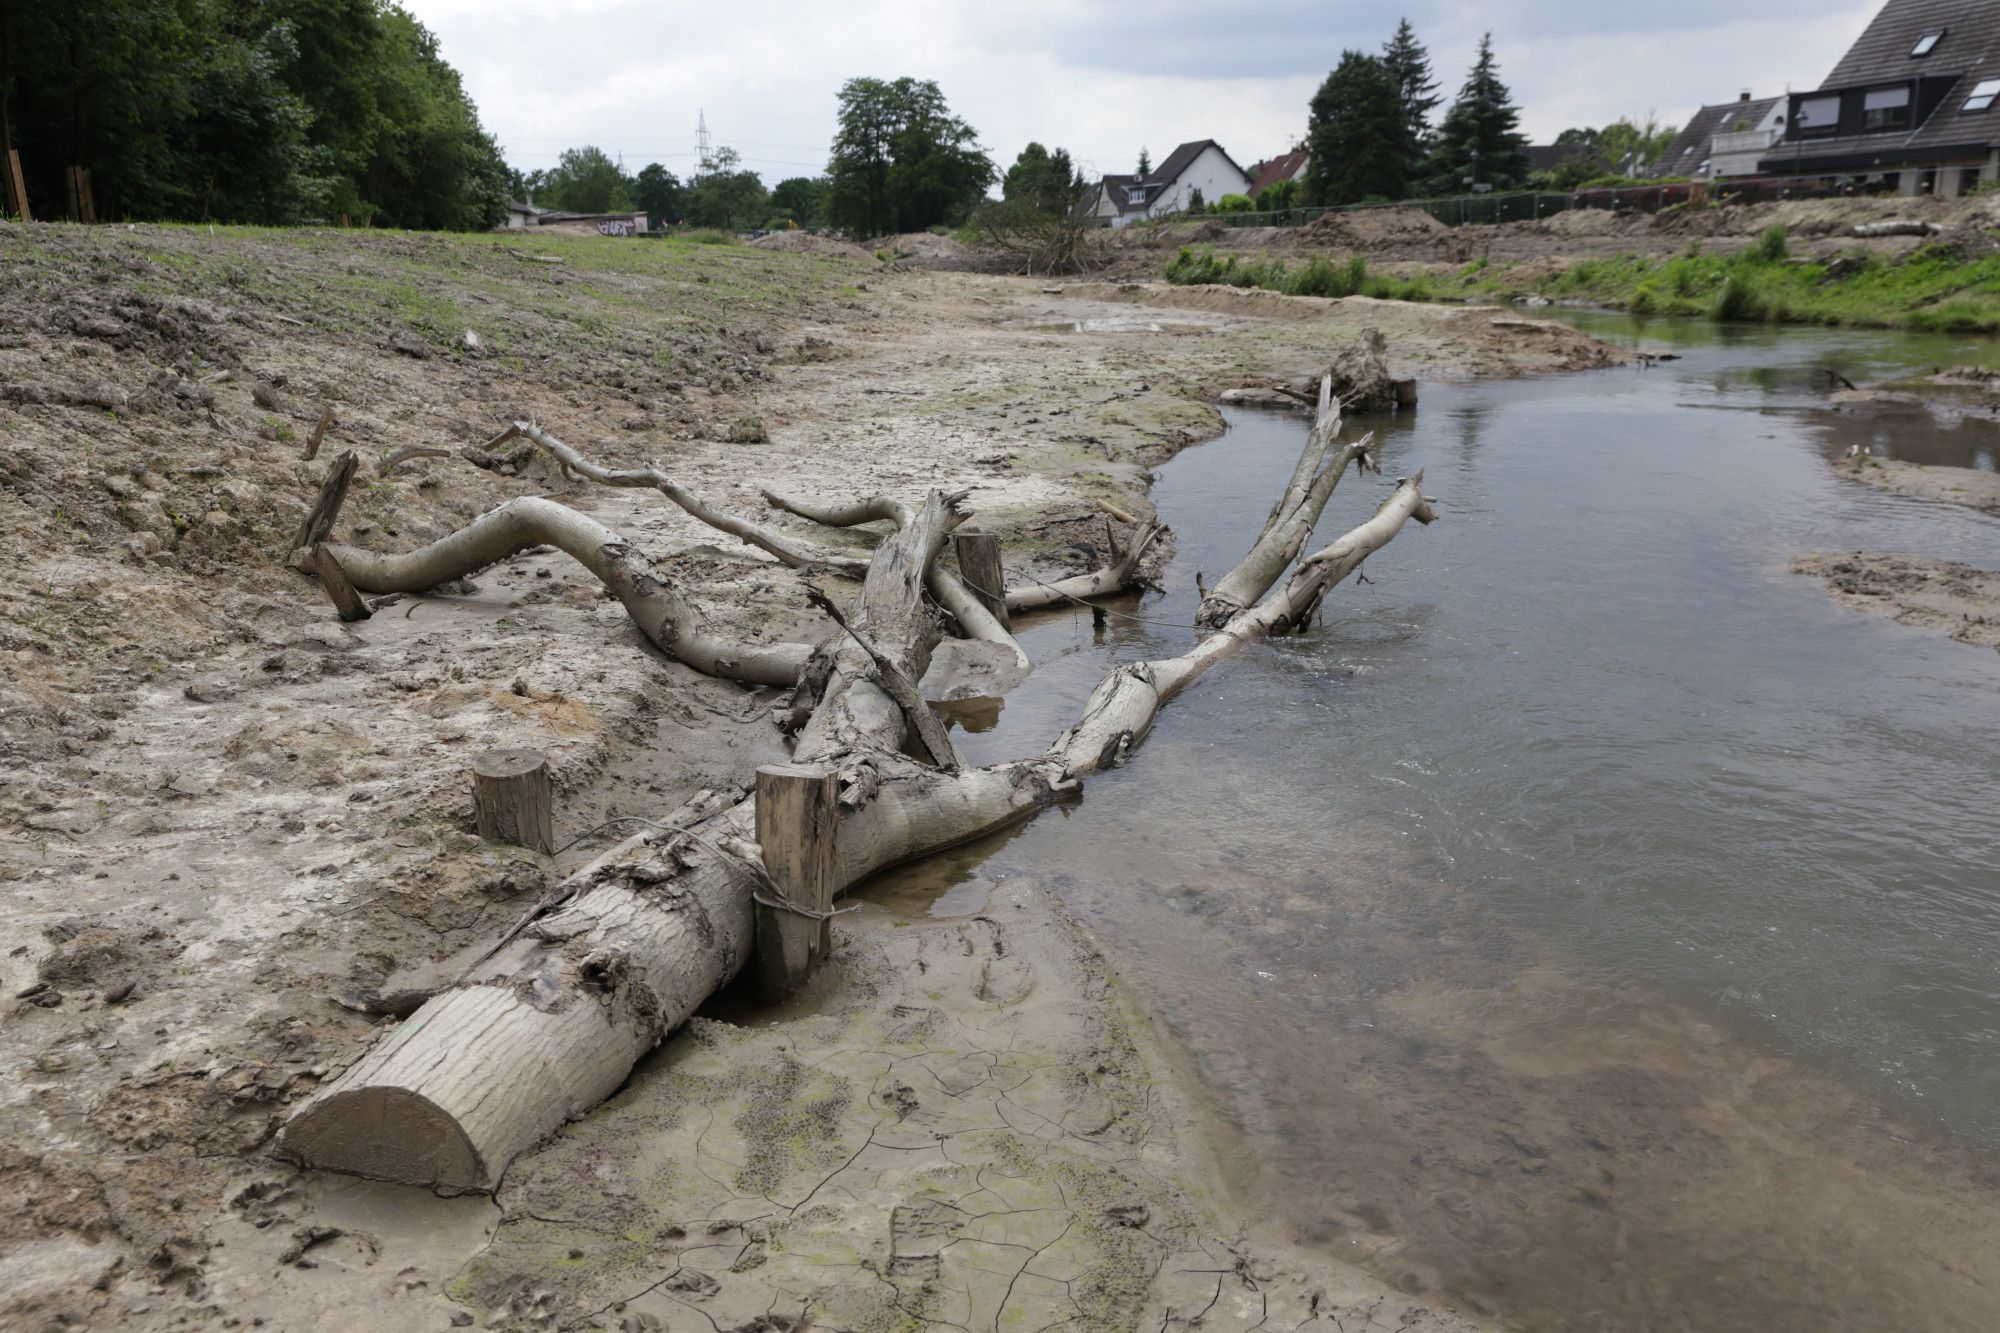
(1944, 596)
(1817, 228)
(235, 828)
(800, 242)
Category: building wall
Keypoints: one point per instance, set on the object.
(1211, 173)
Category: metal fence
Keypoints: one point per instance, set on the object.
(1528, 205)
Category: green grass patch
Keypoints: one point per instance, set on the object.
(1934, 289)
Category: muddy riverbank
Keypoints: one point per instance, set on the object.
(233, 823)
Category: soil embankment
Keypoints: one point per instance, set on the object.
(235, 828)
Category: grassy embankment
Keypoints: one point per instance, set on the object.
(1933, 289)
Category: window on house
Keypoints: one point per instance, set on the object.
(1927, 43)
(1818, 115)
(1886, 109)
(1983, 95)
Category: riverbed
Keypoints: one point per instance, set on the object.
(1591, 923)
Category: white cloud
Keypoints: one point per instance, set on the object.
(1100, 79)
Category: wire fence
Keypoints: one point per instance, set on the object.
(1528, 205)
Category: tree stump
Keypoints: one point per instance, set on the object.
(510, 796)
(797, 816)
(979, 566)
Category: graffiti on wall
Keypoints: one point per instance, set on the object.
(616, 227)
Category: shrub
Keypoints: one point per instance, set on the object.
(1739, 299)
(1770, 245)
(1232, 203)
(1645, 299)
(1283, 194)
(1685, 276)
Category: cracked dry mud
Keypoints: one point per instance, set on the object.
(236, 830)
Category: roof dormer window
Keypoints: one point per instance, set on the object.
(1927, 43)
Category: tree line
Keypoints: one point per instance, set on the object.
(1370, 135)
(260, 111)
(720, 193)
(900, 161)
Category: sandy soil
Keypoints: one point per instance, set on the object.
(1952, 485)
(1940, 595)
(233, 825)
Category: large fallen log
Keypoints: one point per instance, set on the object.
(553, 1020)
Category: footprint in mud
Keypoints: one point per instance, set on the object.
(1003, 980)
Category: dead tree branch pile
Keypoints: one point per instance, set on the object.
(553, 1019)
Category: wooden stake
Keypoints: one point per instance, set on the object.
(319, 433)
(797, 816)
(510, 797)
(979, 566)
(81, 206)
(17, 186)
(326, 509)
(334, 579)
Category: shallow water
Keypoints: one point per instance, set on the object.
(1591, 922)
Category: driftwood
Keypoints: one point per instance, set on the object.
(347, 603)
(318, 435)
(1290, 524)
(1869, 230)
(551, 1020)
(326, 508)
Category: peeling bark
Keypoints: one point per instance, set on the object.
(660, 612)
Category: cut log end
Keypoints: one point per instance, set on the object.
(511, 799)
(387, 1133)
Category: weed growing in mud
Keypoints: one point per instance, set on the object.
(1770, 245)
(1316, 277)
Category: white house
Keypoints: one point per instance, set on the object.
(1195, 168)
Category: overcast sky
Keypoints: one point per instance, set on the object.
(1101, 79)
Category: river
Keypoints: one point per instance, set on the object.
(1591, 924)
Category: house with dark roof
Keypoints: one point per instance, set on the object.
(1550, 156)
(1727, 139)
(1199, 168)
(1276, 170)
(1911, 107)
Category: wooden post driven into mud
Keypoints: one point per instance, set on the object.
(82, 208)
(17, 186)
(510, 798)
(979, 566)
(798, 816)
(326, 509)
(334, 579)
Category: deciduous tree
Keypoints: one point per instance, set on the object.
(801, 199)
(1043, 180)
(727, 196)
(901, 161)
(658, 192)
